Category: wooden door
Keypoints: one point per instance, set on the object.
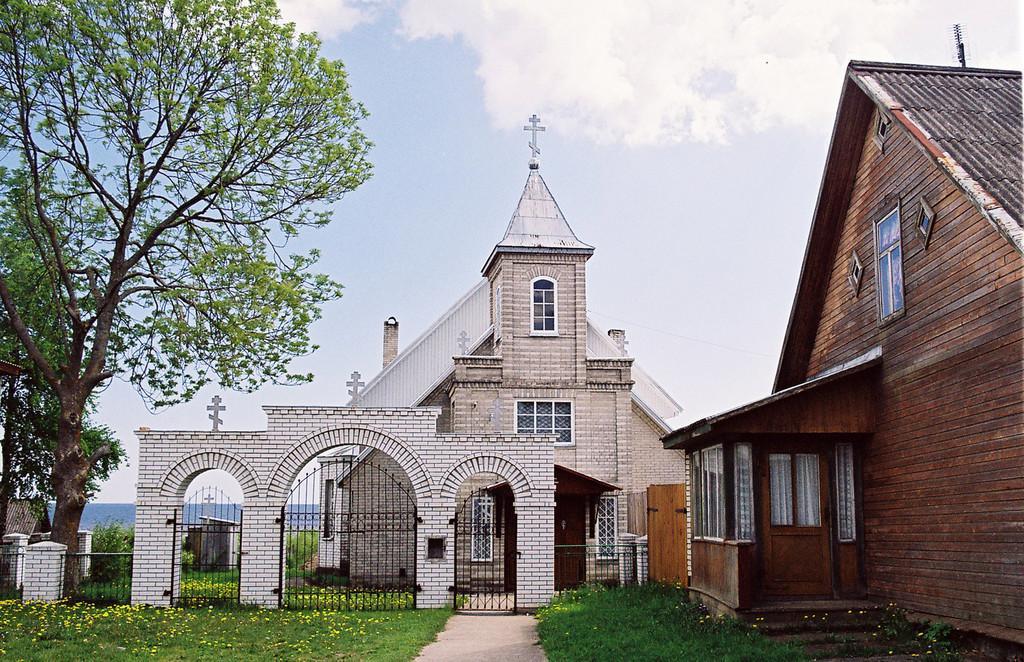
(666, 533)
(570, 542)
(797, 553)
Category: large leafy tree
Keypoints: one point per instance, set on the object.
(160, 155)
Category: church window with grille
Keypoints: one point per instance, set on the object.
(545, 417)
(607, 529)
(482, 541)
(542, 310)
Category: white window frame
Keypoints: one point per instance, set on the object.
(606, 548)
(554, 290)
(703, 530)
(487, 500)
(884, 122)
(925, 210)
(846, 493)
(896, 312)
(572, 419)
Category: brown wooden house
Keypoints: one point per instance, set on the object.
(889, 461)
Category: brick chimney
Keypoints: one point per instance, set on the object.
(390, 340)
(618, 337)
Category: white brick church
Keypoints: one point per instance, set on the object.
(504, 452)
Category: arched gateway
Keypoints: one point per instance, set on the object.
(344, 502)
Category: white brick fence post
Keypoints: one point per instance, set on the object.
(44, 571)
(85, 551)
(627, 559)
(13, 570)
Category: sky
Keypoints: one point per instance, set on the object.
(684, 140)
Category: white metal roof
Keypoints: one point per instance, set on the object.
(418, 369)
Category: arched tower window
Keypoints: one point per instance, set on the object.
(542, 313)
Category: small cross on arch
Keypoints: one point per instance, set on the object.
(216, 408)
(463, 343)
(355, 385)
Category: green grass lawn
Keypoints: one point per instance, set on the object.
(650, 622)
(54, 632)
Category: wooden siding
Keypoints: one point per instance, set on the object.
(943, 479)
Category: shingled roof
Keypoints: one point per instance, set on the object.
(973, 116)
(968, 121)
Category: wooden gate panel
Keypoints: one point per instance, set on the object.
(666, 533)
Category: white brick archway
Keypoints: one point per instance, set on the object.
(266, 462)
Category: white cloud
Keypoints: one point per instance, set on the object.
(328, 18)
(656, 71)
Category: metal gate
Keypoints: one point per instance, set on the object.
(485, 550)
(208, 550)
(348, 535)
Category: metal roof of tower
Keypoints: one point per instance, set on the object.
(538, 225)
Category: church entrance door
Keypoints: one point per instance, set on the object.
(570, 542)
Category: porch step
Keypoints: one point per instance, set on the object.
(841, 645)
(817, 617)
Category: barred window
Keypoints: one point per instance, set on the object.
(482, 540)
(743, 474)
(607, 529)
(845, 493)
(545, 417)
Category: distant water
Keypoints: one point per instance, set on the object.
(105, 513)
(300, 516)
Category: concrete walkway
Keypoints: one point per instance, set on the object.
(483, 637)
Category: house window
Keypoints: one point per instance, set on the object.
(328, 524)
(711, 498)
(800, 471)
(497, 312)
(882, 128)
(545, 417)
(889, 265)
(482, 542)
(780, 469)
(855, 273)
(845, 493)
(607, 530)
(744, 477)
(925, 221)
(542, 314)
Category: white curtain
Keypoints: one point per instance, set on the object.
(845, 492)
(744, 492)
(808, 492)
(781, 474)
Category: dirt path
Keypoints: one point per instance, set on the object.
(484, 637)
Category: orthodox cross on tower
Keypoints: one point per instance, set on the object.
(216, 408)
(533, 128)
(355, 385)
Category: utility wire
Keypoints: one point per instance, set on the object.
(681, 336)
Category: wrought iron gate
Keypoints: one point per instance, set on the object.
(208, 550)
(348, 535)
(485, 550)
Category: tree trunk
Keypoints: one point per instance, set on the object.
(69, 477)
(6, 452)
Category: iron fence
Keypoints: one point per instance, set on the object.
(12, 564)
(607, 564)
(98, 577)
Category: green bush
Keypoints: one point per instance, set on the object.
(112, 537)
(302, 546)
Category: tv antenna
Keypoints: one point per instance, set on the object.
(958, 45)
